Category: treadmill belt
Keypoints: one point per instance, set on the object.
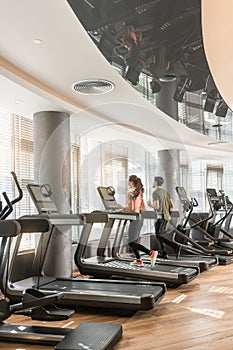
(108, 287)
(165, 272)
(123, 264)
(132, 295)
(41, 335)
(204, 262)
(225, 259)
(209, 260)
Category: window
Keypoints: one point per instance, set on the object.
(110, 164)
(16, 154)
(214, 177)
(22, 141)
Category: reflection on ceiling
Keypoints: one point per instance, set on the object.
(43, 75)
(153, 39)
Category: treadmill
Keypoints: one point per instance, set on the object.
(86, 335)
(204, 263)
(88, 292)
(182, 256)
(100, 265)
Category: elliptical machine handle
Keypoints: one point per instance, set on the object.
(8, 208)
(194, 202)
(20, 196)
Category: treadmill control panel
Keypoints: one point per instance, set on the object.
(43, 204)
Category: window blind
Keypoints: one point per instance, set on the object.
(6, 155)
(16, 154)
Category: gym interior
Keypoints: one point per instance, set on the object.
(93, 91)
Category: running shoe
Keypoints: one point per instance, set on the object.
(137, 263)
(153, 257)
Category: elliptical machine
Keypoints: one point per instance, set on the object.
(220, 204)
(195, 234)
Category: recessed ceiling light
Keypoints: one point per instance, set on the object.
(37, 41)
(19, 102)
(93, 86)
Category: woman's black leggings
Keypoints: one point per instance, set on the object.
(137, 247)
(160, 228)
(133, 235)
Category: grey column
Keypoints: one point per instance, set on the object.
(164, 99)
(52, 166)
(169, 169)
(169, 160)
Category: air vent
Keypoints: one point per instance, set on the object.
(93, 87)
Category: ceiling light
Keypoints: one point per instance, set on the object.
(133, 72)
(132, 75)
(210, 101)
(182, 86)
(37, 41)
(221, 110)
(18, 102)
(93, 87)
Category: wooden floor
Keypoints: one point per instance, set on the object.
(198, 315)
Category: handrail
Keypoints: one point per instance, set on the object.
(5, 212)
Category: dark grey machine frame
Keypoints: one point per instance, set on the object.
(108, 294)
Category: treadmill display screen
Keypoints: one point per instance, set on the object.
(105, 194)
(37, 194)
(44, 205)
(182, 194)
(108, 198)
(212, 192)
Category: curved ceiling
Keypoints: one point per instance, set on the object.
(217, 27)
(41, 77)
(158, 37)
